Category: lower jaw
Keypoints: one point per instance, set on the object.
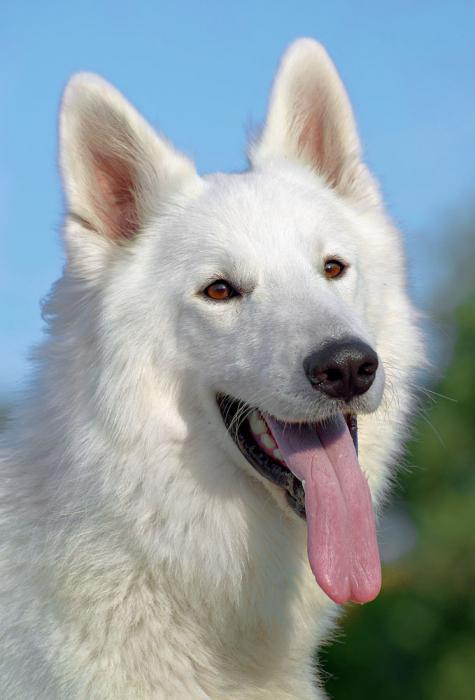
(274, 471)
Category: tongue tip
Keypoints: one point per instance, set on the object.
(335, 590)
(361, 593)
(368, 591)
(359, 597)
(366, 596)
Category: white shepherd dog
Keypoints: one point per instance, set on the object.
(182, 505)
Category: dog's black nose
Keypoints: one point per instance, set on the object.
(342, 369)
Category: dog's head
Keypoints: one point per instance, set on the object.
(266, 294)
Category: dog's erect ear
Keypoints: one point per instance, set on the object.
(310, 120)
(115, 168)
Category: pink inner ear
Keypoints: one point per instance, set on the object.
(318, 137)
(115, 198)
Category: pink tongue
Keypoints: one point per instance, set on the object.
(342, 545)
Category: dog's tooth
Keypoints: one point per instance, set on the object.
(258, 426)
(278, 455)
(303, 484)
(267, 441)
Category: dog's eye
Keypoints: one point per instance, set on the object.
(333, 268)
(220, 291)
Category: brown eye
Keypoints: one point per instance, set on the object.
(220, 291)
(333, 269)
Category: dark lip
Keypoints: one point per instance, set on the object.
(275, 472)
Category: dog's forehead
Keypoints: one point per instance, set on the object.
(253, 221)
(280, 204)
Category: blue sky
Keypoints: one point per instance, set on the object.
(201, 72)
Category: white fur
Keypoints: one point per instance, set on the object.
(141, 555)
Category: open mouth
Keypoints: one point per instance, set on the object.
(251, 433)
(316, 464)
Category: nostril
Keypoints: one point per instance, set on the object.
(329, 374)
(367, 369)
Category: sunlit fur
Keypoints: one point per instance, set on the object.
(142, 557)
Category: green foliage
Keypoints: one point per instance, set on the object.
(417, 640)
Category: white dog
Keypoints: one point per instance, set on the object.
(181, 497)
